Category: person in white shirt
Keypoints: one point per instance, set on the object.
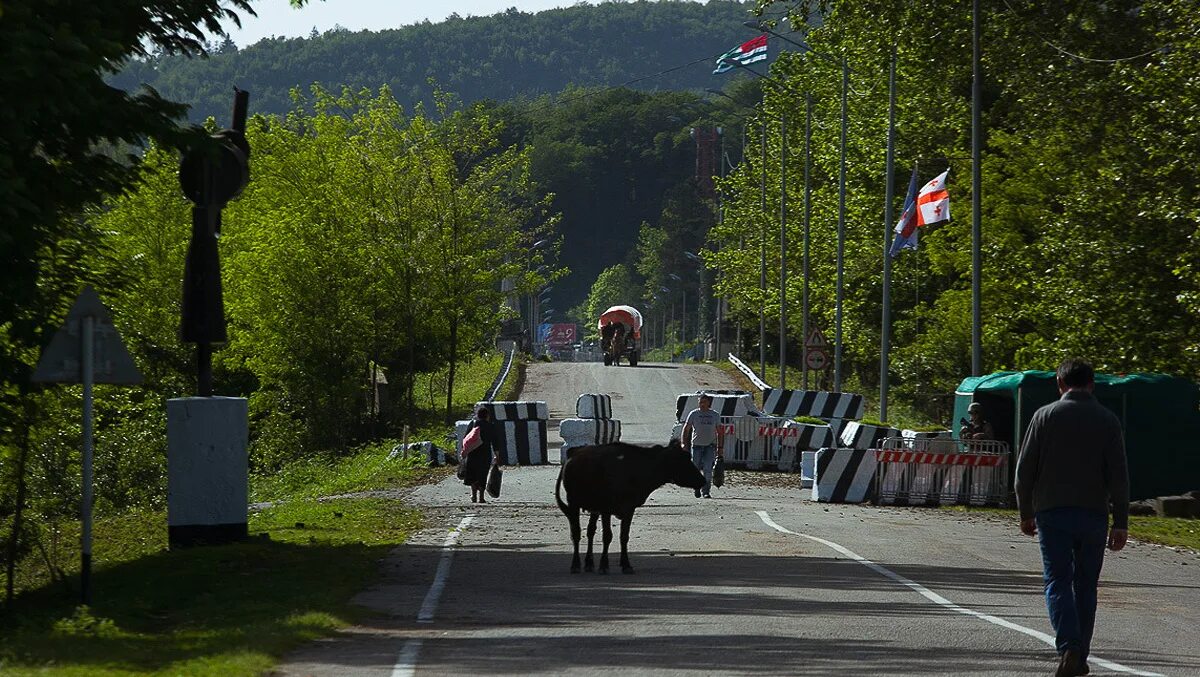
(703, 437)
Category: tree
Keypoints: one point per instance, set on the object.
(65, 137)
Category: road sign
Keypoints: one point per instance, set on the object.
(62, 360)
(816, 341)
(816, 359)
(87, 350)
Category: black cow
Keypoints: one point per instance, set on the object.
(615, 479)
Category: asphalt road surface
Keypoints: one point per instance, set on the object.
(756, 581)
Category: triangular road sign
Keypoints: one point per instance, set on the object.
(62, 360)
(815, 339)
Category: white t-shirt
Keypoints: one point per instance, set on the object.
(704, 426)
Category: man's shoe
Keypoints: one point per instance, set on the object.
(697, 493)
(707, 496)
(1071, 664)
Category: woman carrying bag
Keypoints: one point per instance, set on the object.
(479, 456)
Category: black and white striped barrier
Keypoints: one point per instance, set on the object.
(522, 442)
(580, 432)
(817, 403)
(428, 450)
(857, 435)
(808, 468)
(725, 404)
(516, 411)
(843, 475)
(593, 405)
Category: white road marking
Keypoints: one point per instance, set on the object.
(942, 601)
(443, 572)
(406, 662)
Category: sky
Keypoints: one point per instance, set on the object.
(278, 18)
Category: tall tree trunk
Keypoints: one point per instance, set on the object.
(453, 364)
(19, 512)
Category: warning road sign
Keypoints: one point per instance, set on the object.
(816, 341)
(62, 360)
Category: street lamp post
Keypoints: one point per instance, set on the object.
(841, 229)
(762, 269)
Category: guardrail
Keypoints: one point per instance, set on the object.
(741, 366)
(499, 382)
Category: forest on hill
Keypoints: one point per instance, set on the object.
(506, 56)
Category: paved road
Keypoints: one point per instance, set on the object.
(758, 580)
(643, 397)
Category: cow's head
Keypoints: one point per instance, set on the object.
(678, 468)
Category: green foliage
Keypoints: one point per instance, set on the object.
(615, 286)
(811, 420)
(506, 56)
(1089, 189)
(371, 246)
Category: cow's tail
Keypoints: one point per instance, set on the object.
(558, 491)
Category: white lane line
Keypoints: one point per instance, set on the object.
(406, 664)
(942, 601)
(443, 572)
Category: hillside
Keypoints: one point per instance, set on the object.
(500, 57)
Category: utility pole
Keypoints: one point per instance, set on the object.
(783, 152)
(886, 326)
(976, 193)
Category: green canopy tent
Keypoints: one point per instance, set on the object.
(1158, 413)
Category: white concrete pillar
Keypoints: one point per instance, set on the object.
(207, 470)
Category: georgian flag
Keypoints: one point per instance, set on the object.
(933, 204)
(751, 51)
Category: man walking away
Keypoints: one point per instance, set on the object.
(702, 437)
(1070, 475)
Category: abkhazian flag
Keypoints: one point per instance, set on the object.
(906, 225)
(933, 203)
(751, 51)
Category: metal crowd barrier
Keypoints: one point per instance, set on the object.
(942, 472)
(760, 442)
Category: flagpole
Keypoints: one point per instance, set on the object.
(783, 150)
(841, 233)
(762, 266)
(976, 192)
(886, 327)
(807, 214)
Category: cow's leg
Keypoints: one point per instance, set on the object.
(573, 519)
(626, 567)
(607, 540)
(588, 562)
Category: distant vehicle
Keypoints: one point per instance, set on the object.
(621, 335)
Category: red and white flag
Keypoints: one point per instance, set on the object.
(933, 202)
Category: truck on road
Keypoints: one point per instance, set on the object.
(621, 335)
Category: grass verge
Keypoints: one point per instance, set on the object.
(1172, 531)
(227, 610)
(235, 609)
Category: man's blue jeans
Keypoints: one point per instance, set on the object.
(704, 457)
(1073, 541)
